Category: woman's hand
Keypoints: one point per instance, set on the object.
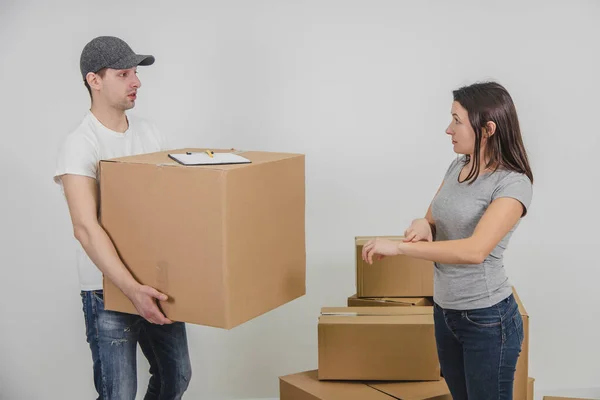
(419, 230)
(379, 248)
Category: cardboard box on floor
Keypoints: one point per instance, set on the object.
(564, 398)
(530, 387)
(225, 242)
(377, 343)
(522, 373)
(306, 386)
(355, 301)
(399, 276)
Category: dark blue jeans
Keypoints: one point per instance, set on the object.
(479, 349)
(113, 339)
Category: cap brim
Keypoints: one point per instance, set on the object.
(132, 61)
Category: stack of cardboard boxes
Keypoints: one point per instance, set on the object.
(382, 345)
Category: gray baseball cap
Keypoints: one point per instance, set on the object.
(110, 52)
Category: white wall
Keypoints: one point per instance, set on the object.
(363, 88)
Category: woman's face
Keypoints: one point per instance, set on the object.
(460, 130)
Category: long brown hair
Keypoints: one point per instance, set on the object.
(490, 101)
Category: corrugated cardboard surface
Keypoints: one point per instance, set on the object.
(377, 343)
(522, 372)
(398, 276)
(306, 386)
(530, 387)
(435, 390)
(200, 233)
(564, 398)
(354, 301)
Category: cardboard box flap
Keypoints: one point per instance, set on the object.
(398, 300)
(376, 311)
(376, 320)
(377, 315)
(308, 383)
(393, 300)
(162, 158)
(362, 240)
(414, 390)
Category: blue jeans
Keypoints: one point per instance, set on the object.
(113, 339)
(479, 349)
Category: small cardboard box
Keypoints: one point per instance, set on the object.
(522, 372)
(398, 276)
(377, 343)
(306, 386)
(530, 387)
(355, 301)
(226, 243)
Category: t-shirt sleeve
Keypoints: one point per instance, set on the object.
(516, 186)
(78, 156)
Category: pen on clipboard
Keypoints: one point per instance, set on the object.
(209, 152)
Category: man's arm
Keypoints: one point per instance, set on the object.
(82, 198)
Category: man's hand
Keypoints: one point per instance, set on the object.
(144, 299)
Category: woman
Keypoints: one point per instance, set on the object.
(484, 194)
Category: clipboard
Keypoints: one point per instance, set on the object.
(208, 158)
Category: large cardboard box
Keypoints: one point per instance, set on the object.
(225, 242)
(306, 386)
(398, 276)
(530, 387)
(522, 372)
(355, 301)
(377, 343)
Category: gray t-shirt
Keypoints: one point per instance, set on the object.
(456, 210)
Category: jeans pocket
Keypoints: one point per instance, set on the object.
(99, 295)
(484, 317)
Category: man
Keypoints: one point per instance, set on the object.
(109, 70)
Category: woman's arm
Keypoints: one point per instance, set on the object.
(422, 228)
(500, 217)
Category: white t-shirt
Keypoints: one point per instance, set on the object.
(81, 153)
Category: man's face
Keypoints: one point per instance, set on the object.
(118, 88)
